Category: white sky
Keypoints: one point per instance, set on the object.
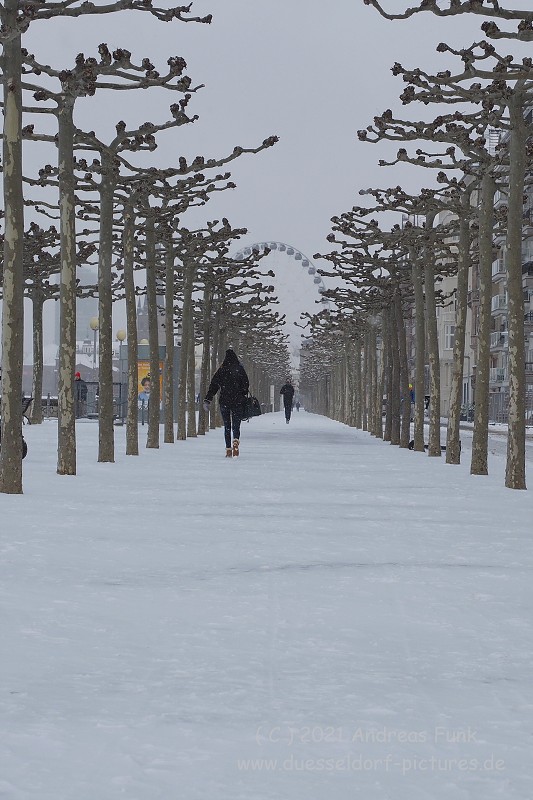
(310, 72)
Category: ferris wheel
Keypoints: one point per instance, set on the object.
(293, 252)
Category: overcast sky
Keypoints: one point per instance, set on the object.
(311, 72)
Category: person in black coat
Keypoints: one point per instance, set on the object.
(80, 396)
(287, 391)
(232, 380)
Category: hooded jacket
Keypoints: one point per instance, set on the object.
(288, 393)
(232, 380)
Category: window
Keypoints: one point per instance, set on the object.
(449, 336)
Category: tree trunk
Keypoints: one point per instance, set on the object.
(106, 432)
(479, 460)
(191, 381)
(206, 350)
(213, 419)
(433, 346)
(405, 431)
(515, 472)
(380, 357)
(387, 374)
(66, 417)
(358, 387)
(394, 397)
(186, 314)
(170, 290)
(350, 383)
(37, 380)
(132, 418)
(152, 440)
(367, 407)
(420, 352)
(374, 382)
(13, 285)
(453, 442)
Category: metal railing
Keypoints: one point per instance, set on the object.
(499, 339)
(87, 406)
(499, 408)
(498, 303)
(498, 374)
(498, 267)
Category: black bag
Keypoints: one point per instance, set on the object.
(251, 407)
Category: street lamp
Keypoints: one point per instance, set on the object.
(466, 400)
(121, 335)
(94, 325)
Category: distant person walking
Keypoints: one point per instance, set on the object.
(80, 396)
(232, 380)
(297, 404)
(287, 391)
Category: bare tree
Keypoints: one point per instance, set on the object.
(14, 22)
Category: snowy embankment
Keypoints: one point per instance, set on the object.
(325, 617)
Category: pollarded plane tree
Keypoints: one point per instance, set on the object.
(86, 248)
(315, 368)
(243, 317)
(228, 286)
(80, 82)
(315, 364)
(263, 348)
(357, 261)
(111, 162)
(118, 72)
(509, 88)
(15, 19)
(468, 133)
(173, 237)
(377, 261)
(271, 364)
(358, 312)
(513, 80)
(130, 195)
(355, 373)
(133, 197)
(42, 266)
(199, 165)
(322, 357)
(323, 373)
(180, 269)
(506, 90)
(493, 9)
(194, 251)
(424, 246)
(215, 270)
(404, 243)
(85, 79)
(268, 362)
(368, 265)
(491, 171)
(257, 330)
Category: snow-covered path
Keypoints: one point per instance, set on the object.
(325, 618)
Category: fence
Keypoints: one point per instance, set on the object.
(499, 407)
(88, 408)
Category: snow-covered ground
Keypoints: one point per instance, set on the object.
(326, 618)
